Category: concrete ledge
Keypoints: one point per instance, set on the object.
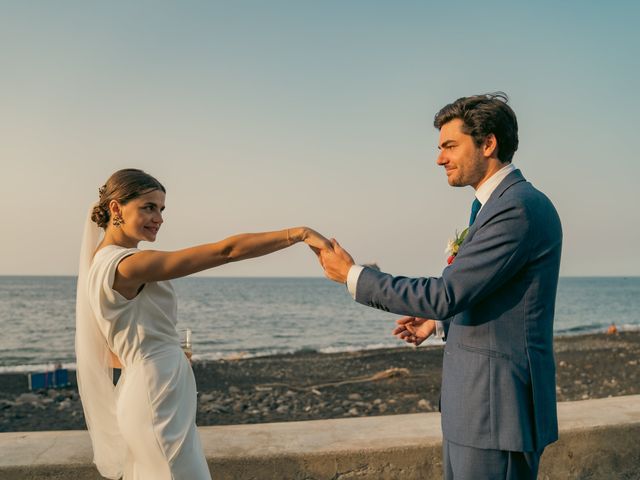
(598, 440)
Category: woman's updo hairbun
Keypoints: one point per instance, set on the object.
(123, 186)
(100, 215)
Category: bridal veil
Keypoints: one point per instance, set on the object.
(94, 372)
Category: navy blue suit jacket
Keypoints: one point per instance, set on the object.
(498, 381)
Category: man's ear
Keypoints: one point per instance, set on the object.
(490, 146)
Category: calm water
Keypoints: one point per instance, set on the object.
(260, 316)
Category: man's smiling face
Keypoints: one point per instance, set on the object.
(463, 161)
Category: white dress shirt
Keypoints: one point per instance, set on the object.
(486, 189)
(482, 194)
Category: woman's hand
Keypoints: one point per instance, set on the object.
(315, 240)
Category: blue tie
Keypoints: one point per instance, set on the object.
(475, 208)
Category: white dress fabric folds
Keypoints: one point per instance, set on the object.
(155, 398)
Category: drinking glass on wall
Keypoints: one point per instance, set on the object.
(185, 342)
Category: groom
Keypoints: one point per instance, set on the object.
(496, 299)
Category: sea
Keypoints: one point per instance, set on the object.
(245, 317)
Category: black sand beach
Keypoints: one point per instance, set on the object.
(311, 386)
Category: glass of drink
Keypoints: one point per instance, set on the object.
(185, 342)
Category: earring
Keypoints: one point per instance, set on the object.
(117, 220)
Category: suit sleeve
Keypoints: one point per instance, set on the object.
(495, 252)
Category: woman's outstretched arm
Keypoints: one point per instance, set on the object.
(151, 265)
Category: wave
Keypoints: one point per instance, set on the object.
(237, 355)
(375, 346)
(595, 328)
(41, 367)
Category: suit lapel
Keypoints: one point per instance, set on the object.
(510, 180)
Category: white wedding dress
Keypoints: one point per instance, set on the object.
(156, 393)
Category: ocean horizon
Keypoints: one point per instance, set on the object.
(235, 317)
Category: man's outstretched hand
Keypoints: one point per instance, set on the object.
(336, 262)
(414, 330)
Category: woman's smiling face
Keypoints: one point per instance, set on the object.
(142, 216)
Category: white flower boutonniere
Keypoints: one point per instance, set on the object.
(454, 245)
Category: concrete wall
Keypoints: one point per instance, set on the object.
(599, 439)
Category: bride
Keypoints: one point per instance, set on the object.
(144, 428)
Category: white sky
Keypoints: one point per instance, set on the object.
(264, 115)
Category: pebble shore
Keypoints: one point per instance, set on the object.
(313, 386)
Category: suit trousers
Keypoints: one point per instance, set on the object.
(468, 463)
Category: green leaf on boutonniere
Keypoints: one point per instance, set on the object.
(462, 236)
(454, 244)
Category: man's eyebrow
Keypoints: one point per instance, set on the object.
(446, 143)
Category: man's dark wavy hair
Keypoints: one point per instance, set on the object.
(482, 115)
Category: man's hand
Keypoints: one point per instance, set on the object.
(414, 330)
(336, 262)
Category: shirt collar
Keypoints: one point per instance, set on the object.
(486, 189)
